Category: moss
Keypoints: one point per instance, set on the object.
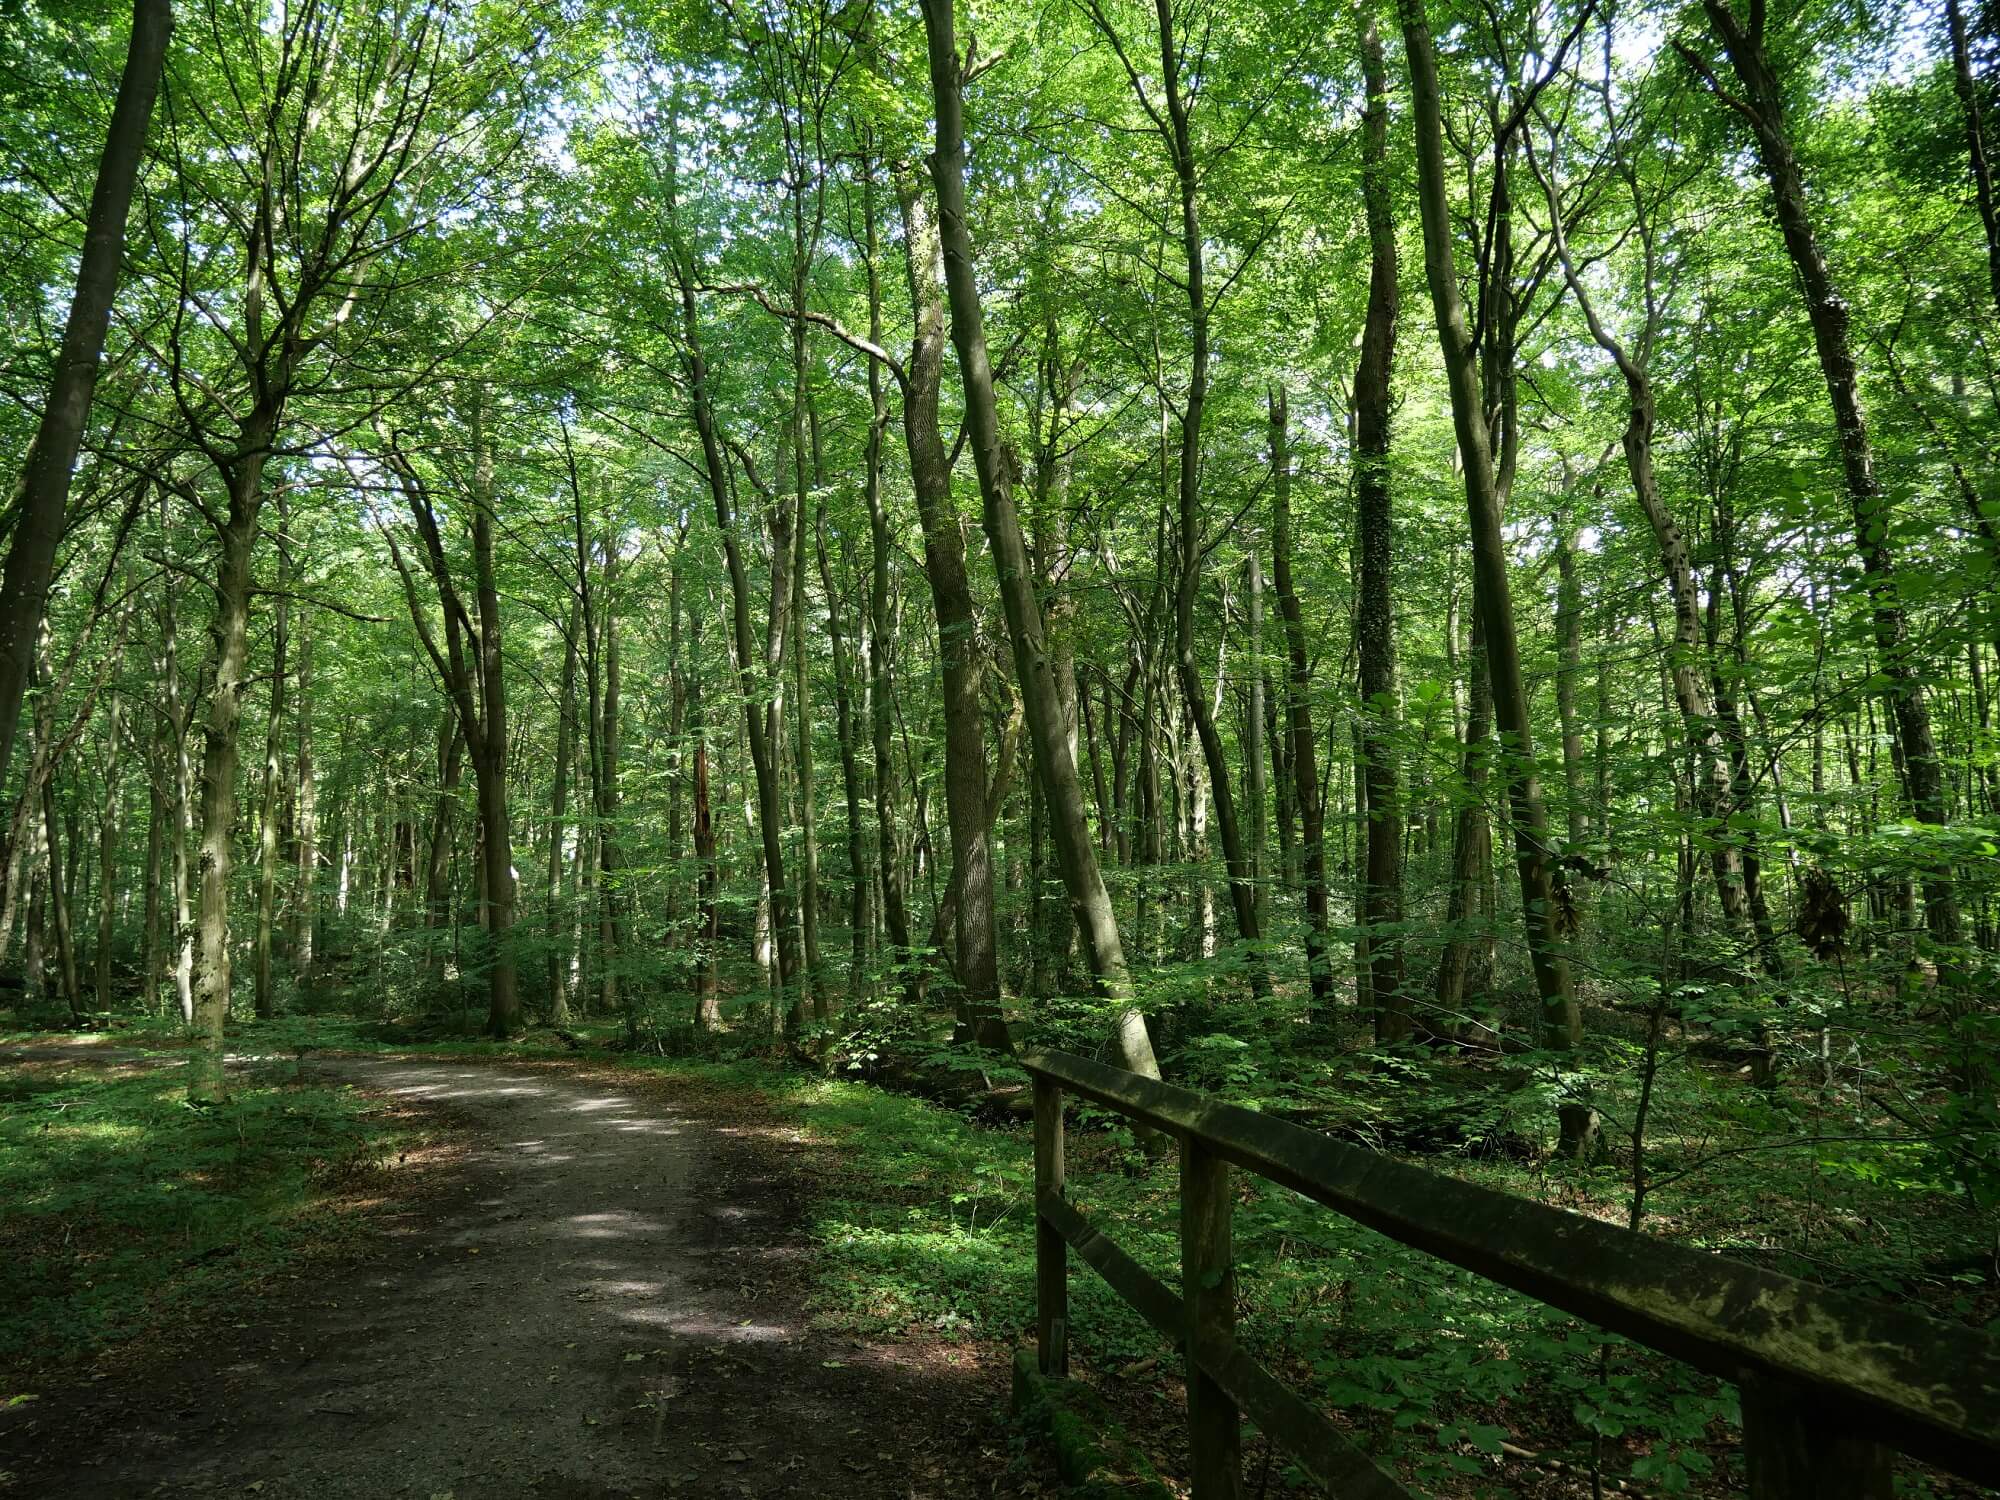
(1091, 1452)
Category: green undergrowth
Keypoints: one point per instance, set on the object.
(924, 1223)
(126, 1213)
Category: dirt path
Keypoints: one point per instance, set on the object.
(603, 1298)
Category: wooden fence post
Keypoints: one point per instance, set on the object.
(1051, 1250)
(1208, 1291)
(1793, 1452)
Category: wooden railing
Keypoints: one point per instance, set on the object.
(1833, 1386)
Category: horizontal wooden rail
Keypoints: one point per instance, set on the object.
(1833, 1384)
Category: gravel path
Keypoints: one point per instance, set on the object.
(603, 1297)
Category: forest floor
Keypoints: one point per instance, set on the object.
(599, 1289)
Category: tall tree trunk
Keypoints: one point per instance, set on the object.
(220, 724)
(1242, 884)
(62, 901)
(1762, 106)
(1256, 787)
(306, 875)
(618, 993)
(881, 697)
(1298, 710)
(1712, 793)
(1967, 87)
(1376, 610)
(177, 715)
(1132, 1047)
(489, 750)
(715, 469)
(1561, 1025)
(976, 958)
(558, 825)
(110, 824)
(43, 493)
(858, 879)
(270, 795)
(814, 992)
(153, 962)
(707, 989)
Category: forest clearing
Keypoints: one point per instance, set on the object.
(696, 691)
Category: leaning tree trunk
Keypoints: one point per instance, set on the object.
(43, 493)
(1132, 1047)
(1702, 733)
(1828, 312)
(1561, 1026)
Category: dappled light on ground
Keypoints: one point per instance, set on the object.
(598, 1298)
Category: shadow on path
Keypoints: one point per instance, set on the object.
(603, 1298)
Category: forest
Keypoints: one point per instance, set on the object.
(1428, 568)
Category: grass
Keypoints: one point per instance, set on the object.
(124, 1213)
(922, 1216)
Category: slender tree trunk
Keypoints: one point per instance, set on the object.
(976, 950)
(153, 964)
(558, 824)
(881, 697)
(489, 760)
(1762, 105)
(1256, 788)
(43, 492)
(180, 810)
(1298, 707)
(1561, 1025)
(707, 989)
(1967, 87)
(306, 876)
(1132, 1047)
(815, 969)
(1242, 884)
(271, 793)
(715, 470)
(850, 767)
(1376, 611)
(617, 990)
(61, 898)
(110, 824)
(1712, 788)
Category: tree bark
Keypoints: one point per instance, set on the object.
(1298, 710)
(43, 492)
(1561, 1025)
(976, 959)
(558, 823)
(881, 697)
(230, 659)
(270, 794)
(1762, 107)
(1132, 1047)
(1700, 727)
(1376, 612)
